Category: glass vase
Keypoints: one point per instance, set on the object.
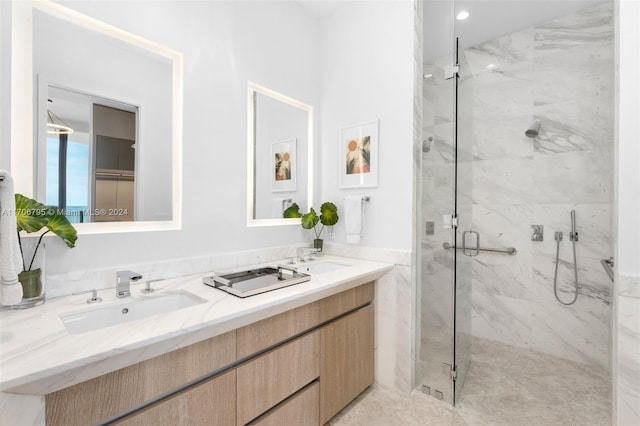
(32, 281)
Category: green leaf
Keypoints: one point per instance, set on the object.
(310, 220)
(60, 225)
(31, 216)
(329, 214)
(293, 211)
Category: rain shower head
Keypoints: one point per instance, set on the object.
(534, 129)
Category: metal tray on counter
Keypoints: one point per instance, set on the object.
(256, 281)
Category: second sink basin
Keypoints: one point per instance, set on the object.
(127, 310)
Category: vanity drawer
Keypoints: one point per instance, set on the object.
(301, 409)
(262, 334)
(271, 378)
(107, 395)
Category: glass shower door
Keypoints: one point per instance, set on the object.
(466, 239)
(445, 337)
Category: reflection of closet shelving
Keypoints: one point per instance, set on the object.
(114, 178)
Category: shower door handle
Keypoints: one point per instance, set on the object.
(474, 251)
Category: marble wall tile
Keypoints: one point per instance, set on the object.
(592, 279)
(578, 332)
(581, 72)
(628, 360)
(593, 224)
(506, 181)
(591, 26)
(629, 286)
(500, 318)
(501, 53)
(514, 143)
(572, 177)
(575, 125)
(498, 95)
(501, 226)
(22, 409)
(405, 329)
(67, 283)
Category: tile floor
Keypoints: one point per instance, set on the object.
(505, 386)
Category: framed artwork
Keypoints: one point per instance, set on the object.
(284, 165)
(358, 151)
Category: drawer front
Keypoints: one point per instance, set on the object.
(346, 301)
(346, 362)
(211, 403)
(107, 395)
(262, 334)
(271, 378)
(302, 409)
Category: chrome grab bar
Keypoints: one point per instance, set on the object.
(511, 251)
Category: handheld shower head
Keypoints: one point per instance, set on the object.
(534, 129)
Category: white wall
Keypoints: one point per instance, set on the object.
(224, 45)
(5, 85)
(368, 75)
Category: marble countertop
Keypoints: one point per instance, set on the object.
(39, 356)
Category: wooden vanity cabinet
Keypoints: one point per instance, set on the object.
(210, 403)
(300, 367)
(105, 396)
(271, 378)
(346, 361)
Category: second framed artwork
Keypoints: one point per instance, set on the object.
(283, 154)
(358, 151)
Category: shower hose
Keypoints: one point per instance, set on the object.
(558, 238)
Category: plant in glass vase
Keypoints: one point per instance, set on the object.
(32, 216)
(328, 217)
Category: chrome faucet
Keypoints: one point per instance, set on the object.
(305, 254)
(123, 282)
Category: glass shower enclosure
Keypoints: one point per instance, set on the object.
(449, 242)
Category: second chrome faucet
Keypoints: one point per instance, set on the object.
(123, 282)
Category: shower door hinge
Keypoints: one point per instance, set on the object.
(447, 369)
(451, 71)
(449, 221)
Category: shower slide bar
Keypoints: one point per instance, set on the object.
(511, 251)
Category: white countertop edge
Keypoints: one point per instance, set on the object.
(28, 372)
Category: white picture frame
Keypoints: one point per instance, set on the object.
(284, 165)
(358, 155)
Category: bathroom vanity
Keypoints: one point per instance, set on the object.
(297, 355)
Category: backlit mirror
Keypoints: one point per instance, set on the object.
(105, 119)
(280, 146)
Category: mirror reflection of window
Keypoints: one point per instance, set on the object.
(91, 166)
(75, 194)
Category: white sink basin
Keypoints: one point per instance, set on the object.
(320, 267)
(127, 310)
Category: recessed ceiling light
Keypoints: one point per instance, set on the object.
(462, 15)
(491, 66)
(428, 75)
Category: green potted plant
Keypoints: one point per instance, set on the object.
(32, 216)
(328, 217)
